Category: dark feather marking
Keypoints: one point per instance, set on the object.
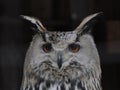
(30, 88)
(36, 86)
(38, 83)
(68, 81)
(71, 88)
(79, 85)
(43, 36)
(41, 80)
(44, 88)
(47, 84)
(26, 88)
(62, 86)
(57, 87)
(73, 83)
(77, 38)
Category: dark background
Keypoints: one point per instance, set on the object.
(15, 35)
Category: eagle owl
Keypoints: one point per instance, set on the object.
(58, 60)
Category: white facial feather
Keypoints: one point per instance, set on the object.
(62, 60)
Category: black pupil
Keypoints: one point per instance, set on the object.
(47, 47)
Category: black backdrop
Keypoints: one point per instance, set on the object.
(15, 35)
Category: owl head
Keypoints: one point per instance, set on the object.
(62, 56)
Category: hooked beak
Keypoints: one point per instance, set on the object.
(59, 60)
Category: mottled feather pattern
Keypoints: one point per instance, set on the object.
(51, 85)
(61, 36)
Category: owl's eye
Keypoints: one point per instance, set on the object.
(47, 47)
(74, 47)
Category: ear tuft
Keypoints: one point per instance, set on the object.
(36, 22)
(88, 23)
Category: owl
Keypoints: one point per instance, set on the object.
(58, 60)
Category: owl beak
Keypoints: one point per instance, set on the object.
(59, 60)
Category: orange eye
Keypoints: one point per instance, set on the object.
(47, 47)
(74, 48)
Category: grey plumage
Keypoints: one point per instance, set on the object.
(62, 60)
